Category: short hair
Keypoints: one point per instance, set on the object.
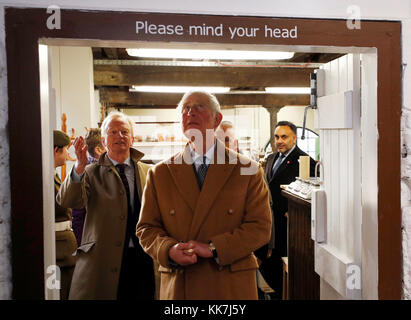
(93, 140)
(213, 102)
(115, 115)
(60, 139)
(289, 124)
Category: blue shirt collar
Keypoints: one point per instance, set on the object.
(126, 162)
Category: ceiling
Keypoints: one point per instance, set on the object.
(115, 72)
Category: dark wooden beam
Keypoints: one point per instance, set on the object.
(97, 53)
(111, 53)
(129, 106)
(314, 57)
(122, 106)
(127, 75)
(116, 96)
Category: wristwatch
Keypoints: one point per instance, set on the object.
(211, 246)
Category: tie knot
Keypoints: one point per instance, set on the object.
(120, 167)
(282, 156)
(204, 160)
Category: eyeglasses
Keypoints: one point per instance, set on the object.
(115, 132)
(196, 108)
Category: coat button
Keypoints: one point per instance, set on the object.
(121, 192)
(122, 217)
(172, 212)
(230, 211)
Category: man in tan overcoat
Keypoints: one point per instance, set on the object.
(110, 261)
(204, 212)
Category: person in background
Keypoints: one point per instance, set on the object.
(204, 212)
(95, 149)
(110, 261)
(281, 168)
(226, 134)
(66, 243)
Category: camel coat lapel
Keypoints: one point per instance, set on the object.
(217, 175)
(200, 202)
(184, 177)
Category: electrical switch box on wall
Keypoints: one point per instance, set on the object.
(334, 111)
(318, 215)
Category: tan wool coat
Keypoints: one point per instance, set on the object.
(232, 210)
(101, 191)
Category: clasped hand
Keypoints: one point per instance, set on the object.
(186, 253)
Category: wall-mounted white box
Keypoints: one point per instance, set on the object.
(334, 111)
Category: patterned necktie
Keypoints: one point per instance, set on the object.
(202, 171)
(277, 165)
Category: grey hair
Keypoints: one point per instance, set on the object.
(214, 104)
(115, 115)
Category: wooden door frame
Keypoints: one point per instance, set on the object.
(26, 27)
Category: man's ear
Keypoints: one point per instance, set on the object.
(103, 141)
(218, 117)
(56, 149)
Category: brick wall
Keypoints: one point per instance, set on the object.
(5, 242)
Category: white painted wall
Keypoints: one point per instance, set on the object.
(369, 9)
(73, 84)
(340, 141)
(295, 114)
(48, 122)
(72, 79)
(369, 182)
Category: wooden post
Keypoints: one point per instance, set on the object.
(64, 129)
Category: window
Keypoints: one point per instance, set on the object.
(309, 144)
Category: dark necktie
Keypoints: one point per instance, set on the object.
(131, 217)
(120, 168)
(202, 171)
(277, 165)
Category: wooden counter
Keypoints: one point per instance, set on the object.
(303, 282)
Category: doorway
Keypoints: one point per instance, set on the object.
(315, 38)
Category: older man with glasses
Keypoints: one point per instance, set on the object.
(204, 212)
